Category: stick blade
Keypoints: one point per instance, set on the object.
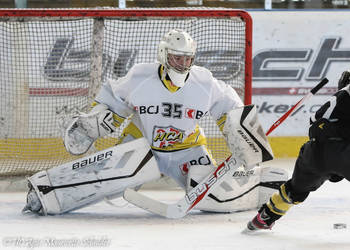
(170, 211)
(145, 202)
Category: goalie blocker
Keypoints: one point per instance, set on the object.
(245, 137)
(88, 180)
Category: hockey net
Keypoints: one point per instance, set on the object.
(52, 63)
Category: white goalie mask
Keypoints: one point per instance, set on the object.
(176, 53)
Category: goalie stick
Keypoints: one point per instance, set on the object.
(190, 200)
(200, 191)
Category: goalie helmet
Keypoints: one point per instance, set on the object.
(176, 53)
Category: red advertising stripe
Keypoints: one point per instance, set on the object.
(292, 91)
(58, 91)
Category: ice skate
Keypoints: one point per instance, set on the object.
(259, 223)
(33, 203)
(262, 221)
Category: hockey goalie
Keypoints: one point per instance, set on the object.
(166, 100)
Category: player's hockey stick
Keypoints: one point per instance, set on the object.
(312, 92)
(199, 192)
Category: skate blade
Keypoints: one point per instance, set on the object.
(250, 232)
(256, 231)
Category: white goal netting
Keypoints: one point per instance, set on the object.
(51, 65)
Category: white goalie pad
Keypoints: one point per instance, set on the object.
(88, 180)
(244, 190)
(245, 136)
(84, 129)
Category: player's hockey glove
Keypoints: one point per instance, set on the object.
(344, 80)
(335, 178)
(322, 130)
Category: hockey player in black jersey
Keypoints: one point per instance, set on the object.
(326, 156)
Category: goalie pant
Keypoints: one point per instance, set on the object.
(325, 156)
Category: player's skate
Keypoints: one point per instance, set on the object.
(33, 203)
(258, 222)
(265, 219)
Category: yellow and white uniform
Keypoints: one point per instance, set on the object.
(168, 115)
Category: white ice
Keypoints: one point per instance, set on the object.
(102, 226)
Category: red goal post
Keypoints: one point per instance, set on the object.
(54, 60)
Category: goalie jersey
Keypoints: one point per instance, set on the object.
(168, 115)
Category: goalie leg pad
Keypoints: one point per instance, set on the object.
(270, 181)
(244, 190)
(88, 180)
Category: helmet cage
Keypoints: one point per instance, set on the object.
(179, 66)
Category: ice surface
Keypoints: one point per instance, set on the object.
(102, 226)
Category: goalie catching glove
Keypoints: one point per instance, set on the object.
(84, 129)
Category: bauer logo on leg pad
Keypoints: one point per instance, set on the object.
(92, 159)
(240, 173)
